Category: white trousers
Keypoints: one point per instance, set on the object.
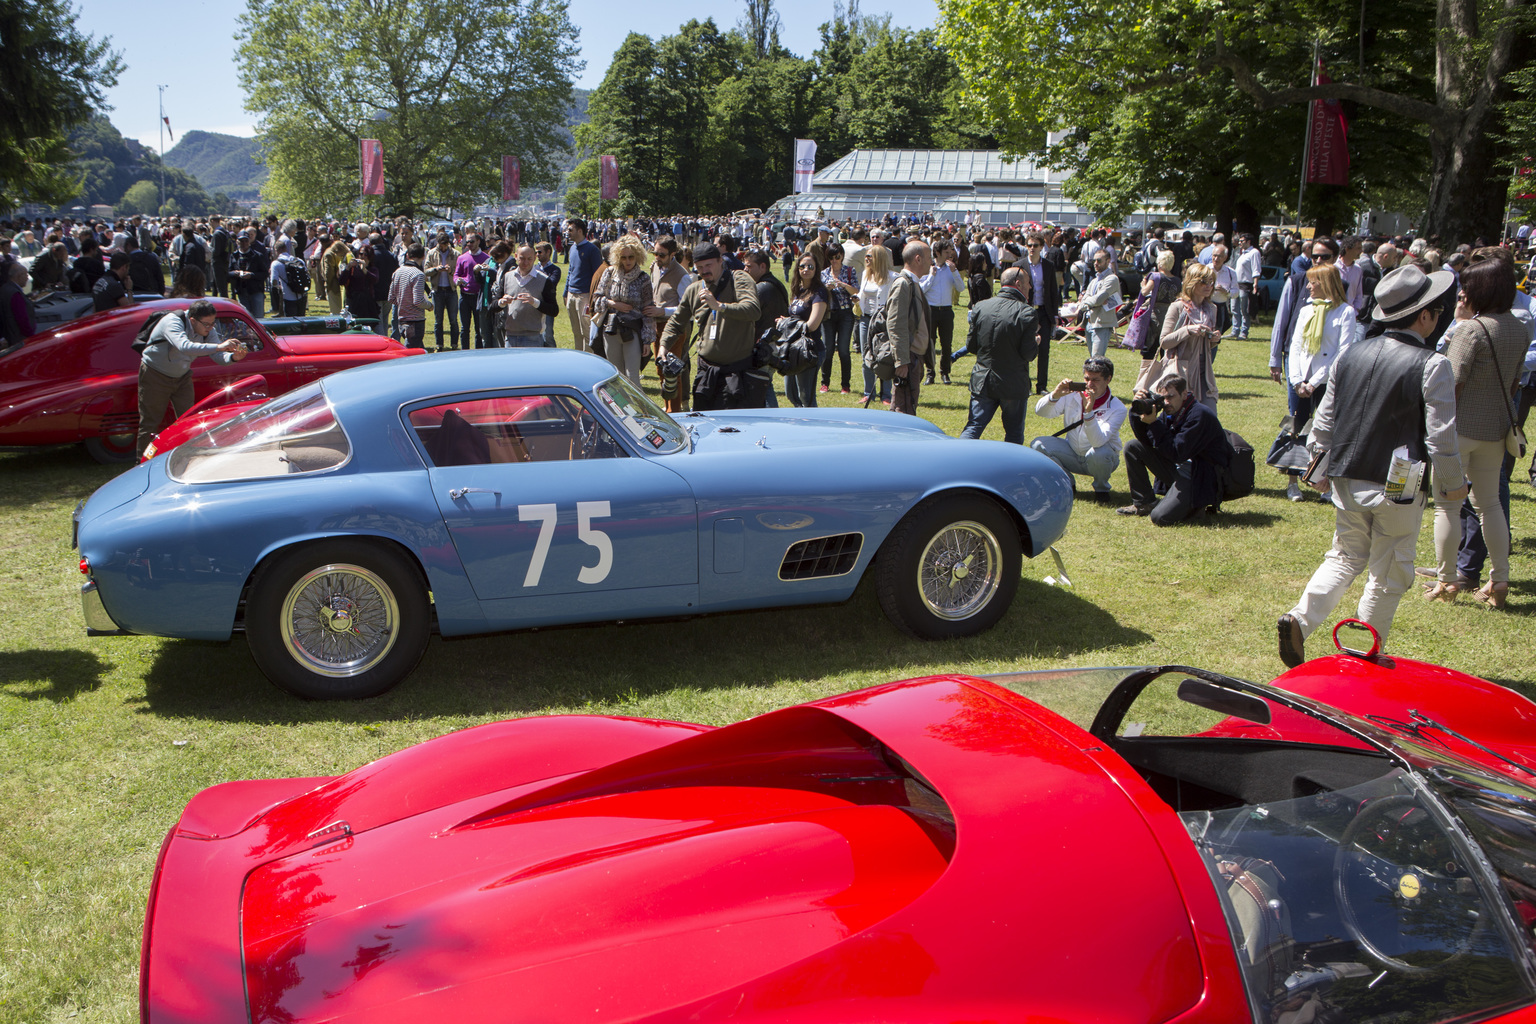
(1372, 535)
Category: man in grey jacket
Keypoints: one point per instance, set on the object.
(165, 369)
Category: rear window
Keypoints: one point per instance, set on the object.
(297, 433)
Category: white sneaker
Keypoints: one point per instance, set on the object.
(1293, 491)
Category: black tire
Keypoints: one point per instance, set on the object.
(924, 550)
(111, 449)
(290, 620)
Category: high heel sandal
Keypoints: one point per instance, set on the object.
(1442, 592)
(1492, 594)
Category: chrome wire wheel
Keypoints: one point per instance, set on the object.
(339, 620)
(959, 570)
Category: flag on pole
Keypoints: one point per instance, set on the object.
(805, 164)
(373, 167)
(168, 128)
(1328, 132)
(511, 178)
(609, 178)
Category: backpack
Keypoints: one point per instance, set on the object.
(143, 339)
(298, 276)
(194, 254)
(979, 286)
(879, 349)
(1237, 478)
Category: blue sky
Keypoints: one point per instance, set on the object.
(189, 46)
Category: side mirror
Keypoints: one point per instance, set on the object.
(1232, 703)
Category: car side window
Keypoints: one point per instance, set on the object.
(511, 428)
(232, 328)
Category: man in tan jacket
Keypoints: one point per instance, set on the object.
(723, 306)
(909, 324)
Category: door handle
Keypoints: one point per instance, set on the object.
(459, 492)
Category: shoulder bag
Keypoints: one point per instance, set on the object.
(1514, 439)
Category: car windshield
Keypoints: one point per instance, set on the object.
(639, 417)
(296, 433)
(1357, 887)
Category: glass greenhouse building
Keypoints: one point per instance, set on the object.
(952, 184)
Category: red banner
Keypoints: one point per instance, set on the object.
(1328, 131)
(373, 167)
(511, 178)
(609, 177)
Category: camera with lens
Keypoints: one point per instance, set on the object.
(1142, 406)
(671, 369)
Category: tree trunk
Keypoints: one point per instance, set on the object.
(1466, 193)
(1246, 219)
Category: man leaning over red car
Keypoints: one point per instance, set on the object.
(165, 371)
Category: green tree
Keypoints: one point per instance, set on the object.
(141, 197)
(1070, 65)
(447, 90)
(52, 77)
(581, 189)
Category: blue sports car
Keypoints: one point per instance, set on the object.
(487, 491)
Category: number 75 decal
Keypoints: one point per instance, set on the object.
(586, 511)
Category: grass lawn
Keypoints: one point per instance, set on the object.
(103, 741)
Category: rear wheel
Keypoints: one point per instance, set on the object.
(338, 620)
(111, 449)
(950, 568)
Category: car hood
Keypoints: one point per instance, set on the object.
(795, 859)
(806, 428)
(116, 492)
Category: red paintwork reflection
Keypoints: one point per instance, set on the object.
(666, 896)
(80, 380)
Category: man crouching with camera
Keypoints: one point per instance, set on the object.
(1090, 442)
(1184, 447)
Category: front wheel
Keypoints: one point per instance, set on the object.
(338, 620)
(111, 449)
(950, 568)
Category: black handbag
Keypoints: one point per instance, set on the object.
(1289, 452)
(789, 349)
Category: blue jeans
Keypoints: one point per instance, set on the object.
(984, 407)
(549, 332)
(525, 341)
(838, 332)
(255, 303)
(1098, 341)
(1241, 300)
(1098, 463)
(800, 389)
(446, 301)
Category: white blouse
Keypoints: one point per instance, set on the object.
(1338, 331)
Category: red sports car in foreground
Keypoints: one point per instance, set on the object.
(1354, 842)
(79, 382)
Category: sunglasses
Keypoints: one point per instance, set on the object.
(1325, 255)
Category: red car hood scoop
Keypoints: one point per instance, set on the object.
(323, 344)
(597, 908)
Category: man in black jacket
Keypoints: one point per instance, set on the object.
(386, 264)
(1045, 293)
(1003, 336)
(221, 250)
(1184, 448)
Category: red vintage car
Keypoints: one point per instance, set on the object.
(79, 382)
(1353, 842)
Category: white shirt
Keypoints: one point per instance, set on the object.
(872, 296)
(1101, 429)
(1226, 284)
(1338, 331)
(942, 285)
(1250, 264)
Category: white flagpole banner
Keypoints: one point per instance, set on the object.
(805, 164)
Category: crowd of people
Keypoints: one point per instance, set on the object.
(1434, 348)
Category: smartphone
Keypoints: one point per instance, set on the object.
(1077, 385)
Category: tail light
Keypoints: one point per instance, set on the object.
(85, 567)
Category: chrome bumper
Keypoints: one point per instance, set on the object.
(97, 621)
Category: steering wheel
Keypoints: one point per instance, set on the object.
(1432, 895)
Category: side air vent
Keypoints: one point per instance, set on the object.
(824, 556)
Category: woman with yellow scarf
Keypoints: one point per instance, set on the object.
(1325, 325)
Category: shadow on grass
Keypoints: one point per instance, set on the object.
(58, 676)
(587, 667)
(59, 470)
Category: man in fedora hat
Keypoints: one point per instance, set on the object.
(1388, 392)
